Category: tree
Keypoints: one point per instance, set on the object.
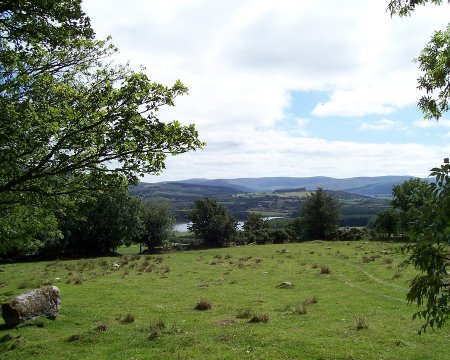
(71, 120)
(256, 229)
(212, 223)
(157, 220)
(26, 229)
(319, 215)
(431, 232)
(69, 116)
(100, 224)
(409, 198)
(387, 223)
(429, 252)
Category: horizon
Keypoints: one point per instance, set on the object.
(284, 177)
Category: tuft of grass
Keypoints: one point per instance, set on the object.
(259, 318)
(311, 300)
(159, 328)
(301, 309)
(101, 327)
(244, 314)
(74, 337)
(361, 323)
(203, 305)
(128, 318)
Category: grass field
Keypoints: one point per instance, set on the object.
(347, 302)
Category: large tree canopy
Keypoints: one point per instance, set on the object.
(70, 118)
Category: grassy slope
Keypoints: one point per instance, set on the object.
(232, 279)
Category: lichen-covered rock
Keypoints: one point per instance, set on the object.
(45, 301)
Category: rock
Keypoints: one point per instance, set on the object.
(285, 285)
(45, 301)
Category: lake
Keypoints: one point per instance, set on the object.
(183, 227)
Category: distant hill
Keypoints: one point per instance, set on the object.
(369, 186)
(180, 190)
(266, 196)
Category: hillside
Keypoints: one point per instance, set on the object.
(377, 186)
(356, 209)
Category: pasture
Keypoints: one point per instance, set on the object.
(347, 301)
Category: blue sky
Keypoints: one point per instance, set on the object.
(401, 126)
(286, 87)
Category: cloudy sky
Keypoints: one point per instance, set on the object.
(286, 87)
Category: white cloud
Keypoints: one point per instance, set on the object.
(424, 123)
(279, 154)
(381, 125)
(241, 61)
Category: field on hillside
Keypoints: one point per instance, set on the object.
(347, 302)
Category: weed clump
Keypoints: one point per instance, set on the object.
(301, 309)
(259, 318)
(311, 300)
(126, 319)
(155, 329)
(203, 305)
(361, 323)
(75, 337)
(101, 327)
(244, 314)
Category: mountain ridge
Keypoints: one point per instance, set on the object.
(363, 185)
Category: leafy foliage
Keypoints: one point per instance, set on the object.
(256, 229)
(434, 62)
(409, 199)
(387, 223)
(157, 222)
(67, 114)
(405, 7)
(431, 229)
(319, 215)
(430, 253)
(71, 120)
(25, 229)
(212, 223)
(100, 224)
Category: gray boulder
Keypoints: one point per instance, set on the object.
(45, 301)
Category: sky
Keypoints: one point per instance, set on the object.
(288, 87)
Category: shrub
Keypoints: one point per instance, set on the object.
(280, 236)
(351, 234)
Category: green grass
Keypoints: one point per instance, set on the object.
(146, 309)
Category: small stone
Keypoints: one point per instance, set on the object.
(285, 285)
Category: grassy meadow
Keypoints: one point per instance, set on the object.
(347, 301)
